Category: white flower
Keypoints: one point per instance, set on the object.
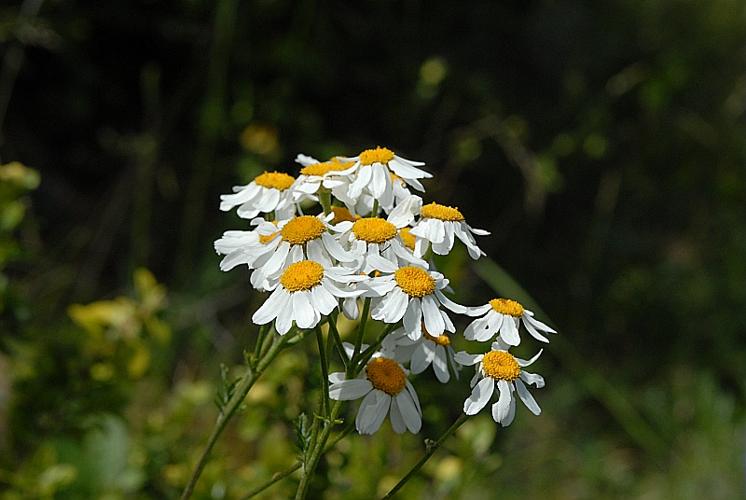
(413, 294)
(373, 169)
(315, 174)
(500, 368)
(505, 316)
(384, 387)
(427, 351)
(268, 192)
(292, 240)
(305, 292)
(438, 225)
(377, 244)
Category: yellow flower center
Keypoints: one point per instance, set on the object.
(378, 155)
(442, 212)
(302, 275)
(500, 365)
(374, 230)
(302, 229)
(333, 165)
(341, 214)
(275, 180)
(386, 375)
(407, 238)
(414, 281)
(507, 306)
(443, 339)
(266, 238)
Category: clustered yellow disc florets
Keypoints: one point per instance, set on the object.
(302, 229)
(274, 180)
(333, 165)
(302, 275)
(507, 306)
(386, 375)
(407, 237)
(414, 281)
(374, 230)
(442, 212)
(500, 365)
(342, 214)
(378, 155)
(443, 339)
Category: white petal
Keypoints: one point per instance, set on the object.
(433, 320)
(412, 417)
(466, 359)
(335, 249)
(421, 358)
(509, 331)
(375, 413)
(523, 362)
(413, 318)
(449, 304)
(527, 398)
(276, 302)
(348, 390)
(501, 408)
(335, 377)
(480, 396)
(302, 310)
(397, 421)
(532, 378)
(440, 364)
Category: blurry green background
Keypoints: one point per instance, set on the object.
(602, 143)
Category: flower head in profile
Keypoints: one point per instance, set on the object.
(504, 316)
(373, 176)
(268, 192)
(415, 295)
(316, 174)
(305, 292)
(427, 351)
(439, 224)
(385, 390)
(500, 369)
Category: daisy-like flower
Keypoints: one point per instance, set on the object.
(500, 368)
(439, 224)
(315, 174)
(427, 351)
(302, 237)
(415, 295)
(377, 244)
(304, 293)
(505, 316)
(384, 387)
(372, 175)
(268, 192)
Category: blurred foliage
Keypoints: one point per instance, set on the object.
(602, 144)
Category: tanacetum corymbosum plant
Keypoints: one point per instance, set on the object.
(362, 251)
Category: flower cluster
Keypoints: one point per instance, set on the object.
(369, 244)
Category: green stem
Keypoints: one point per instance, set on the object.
(244, 386)
(431, 448)
(325, 198)
(364, 356)
(375, 208)
(324, 372)
(316, 453)
(297, 465)
(259, 341)
(338, 340)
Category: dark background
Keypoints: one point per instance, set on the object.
(602, 144)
